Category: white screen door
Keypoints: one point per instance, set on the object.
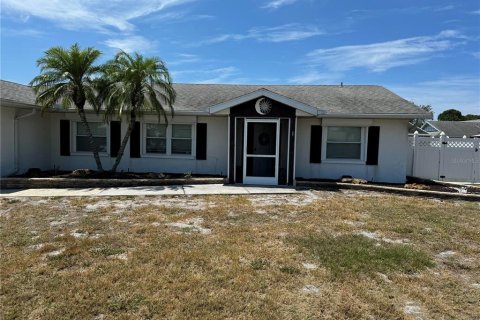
(261, 151)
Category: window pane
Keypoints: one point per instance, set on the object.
(343, 150)
(156, 145)
(181, 146)
(344, 134)
(83, 143)
(156, 130)
(181, 131)
(98, 129)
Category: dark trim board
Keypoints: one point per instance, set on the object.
(236, 124)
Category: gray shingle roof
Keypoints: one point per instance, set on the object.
(457, 129)
(332, 99)
(16, 92)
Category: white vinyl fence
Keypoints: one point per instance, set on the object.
(444, 158)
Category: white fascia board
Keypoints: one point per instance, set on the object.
(376, 115)
(176, 113)
(14, 104)
(263, 93)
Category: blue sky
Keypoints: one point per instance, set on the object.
(425, 51)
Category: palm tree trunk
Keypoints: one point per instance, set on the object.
(93, 145)
(131, 125)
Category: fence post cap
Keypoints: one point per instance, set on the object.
(442, 133)
(415, 133)
(464, 137)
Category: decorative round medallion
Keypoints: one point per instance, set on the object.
(263, 106)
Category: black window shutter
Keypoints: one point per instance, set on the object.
(64, 137)
(372, 146)
(201, 147)
(115, 137)
(135, 141)
(316, 144)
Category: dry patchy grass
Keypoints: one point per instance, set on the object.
(329, 255)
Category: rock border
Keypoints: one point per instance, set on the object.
(40, 183)
(385, 189)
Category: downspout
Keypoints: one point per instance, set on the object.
(15, 138)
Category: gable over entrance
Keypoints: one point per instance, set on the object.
(283, 100)
(262, 142)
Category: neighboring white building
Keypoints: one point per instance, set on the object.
(252, 134)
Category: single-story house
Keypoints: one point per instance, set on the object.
(452, 129)
(252, 134)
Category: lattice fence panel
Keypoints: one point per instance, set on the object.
(460, 143)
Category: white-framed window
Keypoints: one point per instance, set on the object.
(344, 143)
(99, 133)
(156, 138)
(168, 140)
(181, 139)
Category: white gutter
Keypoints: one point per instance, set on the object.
(15, 138)
(176, 113)
(376, 115)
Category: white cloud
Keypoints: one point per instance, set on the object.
(378, 57)
(444, 8)
(177, 17)
(275, 4)
(475, 12)
(459, 92)
(315, 77)
(228, 74)
(286, 32)
(131, 44)
(91, 14)
(184, 58)
(29, 32)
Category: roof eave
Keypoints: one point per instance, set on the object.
(406, 116)
(15, 104)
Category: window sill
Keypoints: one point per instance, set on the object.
(343, 161)
(168, 156)
(89, 153)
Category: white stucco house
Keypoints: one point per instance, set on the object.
(252, 134)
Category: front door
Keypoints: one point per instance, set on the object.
(261, 147)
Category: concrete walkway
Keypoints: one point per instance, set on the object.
(199, 189)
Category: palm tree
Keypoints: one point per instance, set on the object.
(67, 77)
(133, 85)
